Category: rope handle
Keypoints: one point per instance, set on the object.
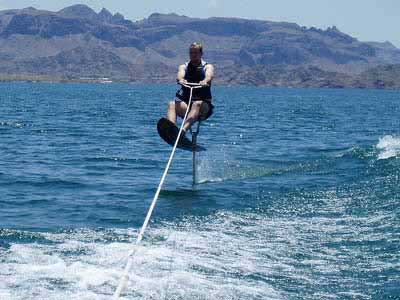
(192, 85)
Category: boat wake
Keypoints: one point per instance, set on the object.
(173, 263)
(218, 166)
(388, 147)
(226, 255)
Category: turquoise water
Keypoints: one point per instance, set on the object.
(298, 196)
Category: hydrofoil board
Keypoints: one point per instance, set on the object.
(168, 131)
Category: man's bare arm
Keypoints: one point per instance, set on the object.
(181, 74)
(209, 75)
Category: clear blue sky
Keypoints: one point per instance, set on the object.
(368, 20)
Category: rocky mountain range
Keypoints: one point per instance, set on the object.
(79, 44)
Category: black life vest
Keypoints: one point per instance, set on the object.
(195, 74)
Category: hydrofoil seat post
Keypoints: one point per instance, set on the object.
(195, 133)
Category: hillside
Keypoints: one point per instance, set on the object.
(76, 42)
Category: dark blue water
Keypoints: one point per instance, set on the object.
(298, 196)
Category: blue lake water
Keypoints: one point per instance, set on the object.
(298, 197)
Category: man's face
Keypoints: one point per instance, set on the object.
(195, 54)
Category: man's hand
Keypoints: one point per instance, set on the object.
(182, 81)
(204, 83)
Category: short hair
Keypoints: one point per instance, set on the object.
(197, 46)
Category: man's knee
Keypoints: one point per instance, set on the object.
(197, 105)
(171, 105)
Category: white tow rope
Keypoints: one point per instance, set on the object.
(125, 277)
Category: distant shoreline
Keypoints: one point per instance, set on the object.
(30, 79)
(46, 79)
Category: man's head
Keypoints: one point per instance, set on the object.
(195, 52)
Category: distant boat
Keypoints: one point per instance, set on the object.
(95, 79)
(105, 80)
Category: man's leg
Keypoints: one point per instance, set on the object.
(171, 113)
(194, 113)
(176, 108)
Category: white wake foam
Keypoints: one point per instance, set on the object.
(171, 264)
(224, 256)
(389, 146)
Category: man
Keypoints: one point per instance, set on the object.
(194, 71)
